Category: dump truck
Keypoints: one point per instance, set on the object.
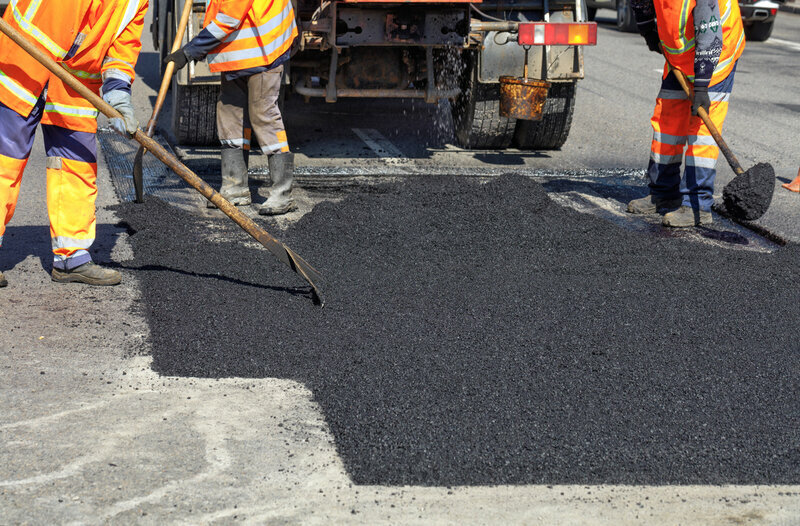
(455, 50)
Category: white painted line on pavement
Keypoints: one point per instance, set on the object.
(787, 43)
(379, 144)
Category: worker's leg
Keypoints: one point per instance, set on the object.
(264, 90)
(69, 126)
(16, 141)
(697, 186)
(233, 128)
(670, 121)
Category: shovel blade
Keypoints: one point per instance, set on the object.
(748, 195)
(138, 176)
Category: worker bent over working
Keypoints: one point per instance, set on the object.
(703, 40)
(97, 41)
(248, 41)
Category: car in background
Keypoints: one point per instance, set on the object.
(758, 16)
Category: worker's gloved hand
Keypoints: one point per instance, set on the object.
(700, 99)
(179, 58)
(121, 101)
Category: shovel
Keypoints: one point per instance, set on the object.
(749, 194)
(286, 255)
(138, 178)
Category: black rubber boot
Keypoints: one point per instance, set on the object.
(88, 273)
(3, 282)
(281, 171)
(234, 177)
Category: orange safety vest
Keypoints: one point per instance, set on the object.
(676, 31)
(93, 39)
(253, 32)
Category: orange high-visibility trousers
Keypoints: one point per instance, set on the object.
(68, 126)
(675, 129)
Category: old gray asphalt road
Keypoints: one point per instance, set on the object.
(89, 435)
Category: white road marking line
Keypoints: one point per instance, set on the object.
(777, 41)
(659, 70)
(379, 144)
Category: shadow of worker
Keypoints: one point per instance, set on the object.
(20, 242)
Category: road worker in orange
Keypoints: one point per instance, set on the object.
(703, 39)
(98, 41)
(248, 42)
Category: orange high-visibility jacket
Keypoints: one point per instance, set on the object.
(676, 31)
(94, 39)
(253, 32)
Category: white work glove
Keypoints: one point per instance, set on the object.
(121, 101)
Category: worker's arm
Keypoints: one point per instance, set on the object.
(120, 61)
(228, 19)
(645, 14)
(707, 49)
(119, 64)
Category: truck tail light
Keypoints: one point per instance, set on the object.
(558, 34)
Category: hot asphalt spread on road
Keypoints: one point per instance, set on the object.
(481, 334)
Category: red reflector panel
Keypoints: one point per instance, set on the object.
(558, 34)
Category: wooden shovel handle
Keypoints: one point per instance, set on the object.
(701, 112)
(166, 80)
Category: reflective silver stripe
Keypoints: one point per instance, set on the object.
(25, 23)
(665, 138)
(700, 162)
(73, 111)
(116, 74)
(70, 242)
(671, 94)
(1, 241)
(265, 28)
(719, 96)
(702, 140)
(234, 56)
(216, 31)
(14, 87)
(666, 159)
(235, 143)
(275, 147)
(81, 74)
(130, 12)
(54, 163)
(226, 20)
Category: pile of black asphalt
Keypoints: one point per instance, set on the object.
(482, 334)
(749, 195)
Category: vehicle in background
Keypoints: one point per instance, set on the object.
(758, 16)
(433, 50)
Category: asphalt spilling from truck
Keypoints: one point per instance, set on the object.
(482, 334)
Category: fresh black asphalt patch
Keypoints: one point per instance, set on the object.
(481, 334)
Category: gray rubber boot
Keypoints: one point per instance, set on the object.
(3, 282)
(281, 171)
(234, 177)
(650, 205)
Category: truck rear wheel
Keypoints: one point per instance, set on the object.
(759, 31)
(625, 20)
(476, 115)
(194, 113)
(552, 131)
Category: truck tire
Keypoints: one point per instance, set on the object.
(625, 20)
(476, 115)
(552, 131)
(591, 13)
(194, 113)
(759, 31)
